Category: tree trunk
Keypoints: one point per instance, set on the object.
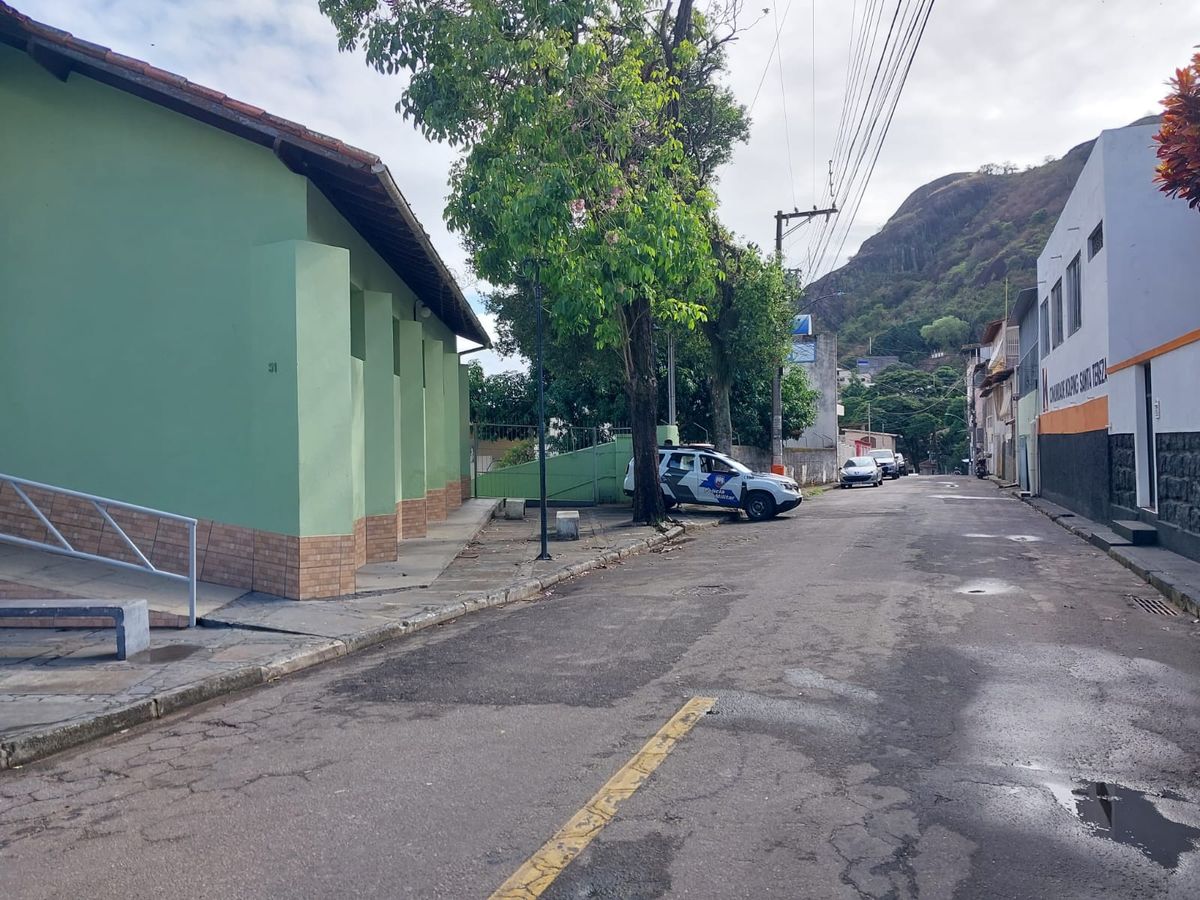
(642, 384)
(722, 422)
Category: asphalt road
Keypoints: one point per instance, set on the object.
(925, 689)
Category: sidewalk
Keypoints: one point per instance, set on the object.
(1176, 577)
(59, 688)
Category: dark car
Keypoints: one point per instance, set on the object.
(887, 462)
(901, 464)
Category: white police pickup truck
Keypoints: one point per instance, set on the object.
(692, 474)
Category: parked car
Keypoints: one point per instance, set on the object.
(901, 464)
(704, 476)
(887, 462)
(861, 470)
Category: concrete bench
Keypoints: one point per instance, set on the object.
(131, 617)
(566, 524)
(514, 508)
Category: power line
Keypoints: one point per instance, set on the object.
(872, 114)
(787, 131)
(779, 23)
(883, 134)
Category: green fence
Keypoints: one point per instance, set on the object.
(591, 474)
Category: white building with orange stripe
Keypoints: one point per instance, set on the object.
(1119, 322)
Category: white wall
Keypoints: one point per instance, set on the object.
(1153, 245)
(1077, 365)
(1123, 400)
(1175, 378)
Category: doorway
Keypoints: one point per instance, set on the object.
(1151, 448)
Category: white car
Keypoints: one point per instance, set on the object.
(691, 474)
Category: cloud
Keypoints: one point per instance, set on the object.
(994, 80)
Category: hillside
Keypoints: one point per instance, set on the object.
(947, 251)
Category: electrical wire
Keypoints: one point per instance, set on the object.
(883, 133)
(868, 113)
(779, 23)
(787, 131)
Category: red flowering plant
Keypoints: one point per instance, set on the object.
(1178, 172)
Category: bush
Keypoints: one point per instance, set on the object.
(522, 452)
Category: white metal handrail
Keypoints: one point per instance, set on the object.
(103, 505)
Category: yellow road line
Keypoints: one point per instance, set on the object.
(536, 874)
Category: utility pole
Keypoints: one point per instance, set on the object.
(671, 378)
(541, 423)
(777, 382)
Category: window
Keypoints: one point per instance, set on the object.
(1056, 312)
(681, 462)
(715, 464)
(1096, 240)
(1074, 297)
(1044, 320)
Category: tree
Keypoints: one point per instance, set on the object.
(573, 172)
(747, 324)
(507, 398)
(1178, 173)
(924, 408)
(946, 333)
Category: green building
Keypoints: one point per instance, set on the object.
(210, 310)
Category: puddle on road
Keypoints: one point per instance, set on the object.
(1018, 538)
(1129, 817)
(986, 586)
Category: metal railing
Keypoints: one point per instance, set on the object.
(102, 506)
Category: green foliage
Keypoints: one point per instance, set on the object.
(946, 333)
(924, 408)
(954, 248)
(572, 158)
(575, 171)
(508, 398)
(522, 452)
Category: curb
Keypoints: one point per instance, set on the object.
(38, 745)
(1186, 602)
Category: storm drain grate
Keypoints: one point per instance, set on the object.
(1158, 607)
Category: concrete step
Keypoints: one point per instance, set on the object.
(1137, 533)
(1104, 538)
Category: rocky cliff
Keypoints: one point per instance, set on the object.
(948, 250)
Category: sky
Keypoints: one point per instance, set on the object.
(993, 81)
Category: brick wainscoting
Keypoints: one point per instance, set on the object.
(435, 505)
(466, 487)
(285, 565)
(412, 518)
(382, 532)
(454, 497)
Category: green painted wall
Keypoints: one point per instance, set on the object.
(329, 387)
(176, 321)
(569, 476)
(435, 422)
(409, 389)
(133, 361)
(450, 398)
(380, 405)
(464, 433)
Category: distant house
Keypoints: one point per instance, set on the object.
(816, 354)
(208, 309)
(992, 396)
(1119, 340)
(859, 441)
(1024, 317)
